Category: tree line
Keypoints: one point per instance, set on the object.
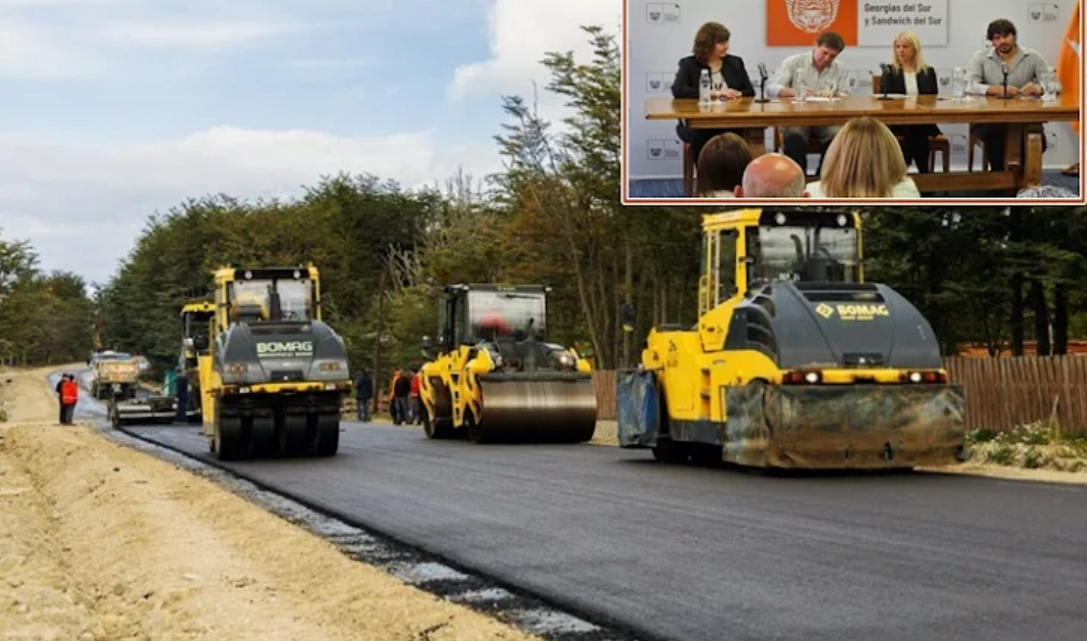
(45, 318)
(990, 276)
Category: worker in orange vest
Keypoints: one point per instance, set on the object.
(415, 413)
(69, 396)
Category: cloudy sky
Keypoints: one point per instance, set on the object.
(115, 109)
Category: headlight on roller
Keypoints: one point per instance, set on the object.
(330, 367)
(237, 368)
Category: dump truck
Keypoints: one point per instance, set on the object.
(493, 375)
(116, 380)
(795, 361)
(196, 324)
(277, 372)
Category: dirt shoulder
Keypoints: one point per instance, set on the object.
(98, 541)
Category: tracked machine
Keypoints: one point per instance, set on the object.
(493, 375)
(796, 361)
(277, 373)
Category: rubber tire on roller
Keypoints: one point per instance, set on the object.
(228, 437)
(294, 434)
(437, 428)
(262, 435)
(328, 434)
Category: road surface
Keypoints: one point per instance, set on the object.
(714, 554)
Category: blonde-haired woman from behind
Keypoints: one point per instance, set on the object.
(864, 161)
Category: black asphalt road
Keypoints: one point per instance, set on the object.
(716, 554)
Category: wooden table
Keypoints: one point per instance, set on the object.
(1024, 117)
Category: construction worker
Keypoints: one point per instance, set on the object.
(415, 414)
(60, 400)
(364, 393)
(69, 396)
(392, 396)
(401, 393)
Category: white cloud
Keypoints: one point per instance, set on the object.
(522, 32)
(332, 63)
(27, 51)
(192, 34)
(82, 206)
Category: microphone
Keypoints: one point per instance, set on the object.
(885, 79)
(762, 83)
(1004, 68)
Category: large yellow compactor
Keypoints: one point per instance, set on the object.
(495, 377)
(277, 373)
(795, 361)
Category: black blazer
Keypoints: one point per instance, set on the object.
(926, 85)
(690, 72)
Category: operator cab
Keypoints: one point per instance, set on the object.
(269, 296)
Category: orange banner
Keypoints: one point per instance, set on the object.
(1069, 64)
(797, 23)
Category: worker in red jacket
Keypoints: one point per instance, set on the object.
(416, 415)
(69, 396)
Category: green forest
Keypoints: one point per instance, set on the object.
(995, 277)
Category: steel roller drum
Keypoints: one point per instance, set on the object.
(541, 406)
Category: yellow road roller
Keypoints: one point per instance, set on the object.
(277, 373)
(796, 361)
(495, 377)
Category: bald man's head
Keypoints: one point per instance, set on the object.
(772, 176)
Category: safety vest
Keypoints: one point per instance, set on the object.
(69, 392)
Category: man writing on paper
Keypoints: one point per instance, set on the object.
(1025, 68)
(821, 74)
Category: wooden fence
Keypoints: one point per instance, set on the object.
(1001, 393)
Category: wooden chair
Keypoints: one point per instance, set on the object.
(936, 144)
(971, 142)
(688, 170)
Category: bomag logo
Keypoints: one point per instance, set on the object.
(861, 312)
(824, 310)
(284, 348)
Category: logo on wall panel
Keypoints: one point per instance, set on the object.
(1043, 12)
(662, 13)
(658, 82)
(812, 16)
(662, 149)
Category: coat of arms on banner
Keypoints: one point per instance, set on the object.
(812, 16)
(797, 23)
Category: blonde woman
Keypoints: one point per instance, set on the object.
(911, 76)
(864, 161)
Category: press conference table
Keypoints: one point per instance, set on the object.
(1024, 117)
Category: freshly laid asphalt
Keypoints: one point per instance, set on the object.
(713, 554)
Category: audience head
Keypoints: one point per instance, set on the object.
(863, 161)
(721, 164)
(772, 176)
(712, 38)
(1045, 191)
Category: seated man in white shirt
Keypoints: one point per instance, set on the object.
(986, 70)
(822, 75)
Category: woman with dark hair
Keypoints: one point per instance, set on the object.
(911, 76)
(728, 79)
(721, 166)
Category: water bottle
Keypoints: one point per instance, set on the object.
(958, 84)
(704, 88)
(801, 87)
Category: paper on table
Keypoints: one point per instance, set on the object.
(821, 99)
